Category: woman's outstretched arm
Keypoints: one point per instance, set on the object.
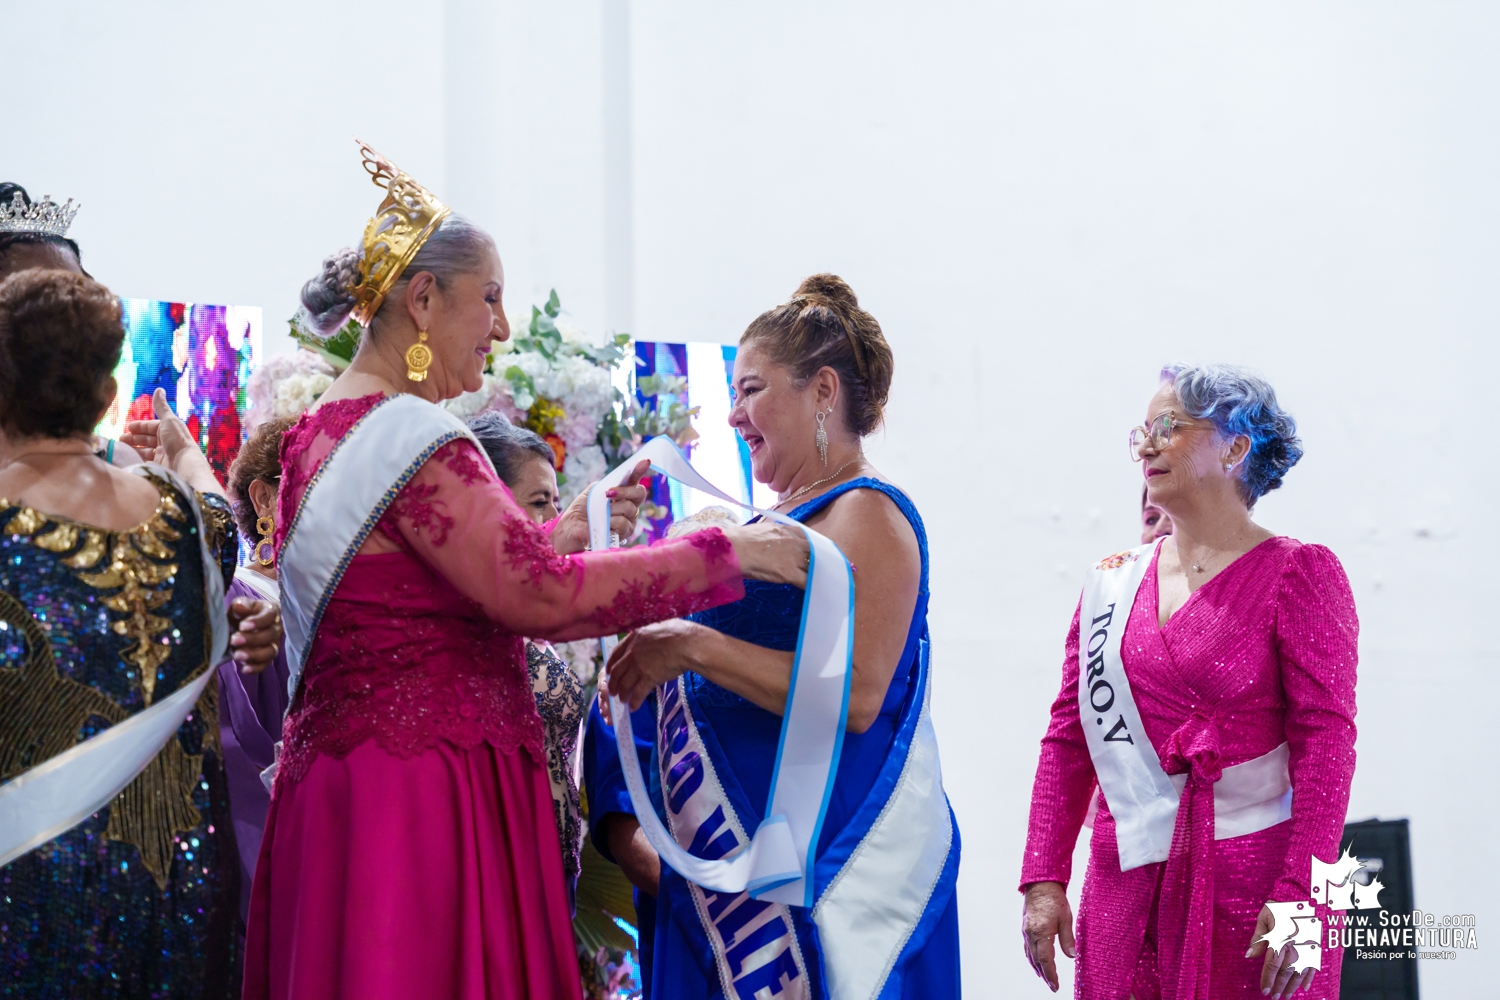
(877, 539)
(462, 521)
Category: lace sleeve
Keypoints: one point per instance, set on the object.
(461, 520)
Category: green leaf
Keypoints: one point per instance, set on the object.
(553, 306)
(338, 349)
(603, 894)
(522, 389)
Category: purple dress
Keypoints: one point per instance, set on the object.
(251, 708)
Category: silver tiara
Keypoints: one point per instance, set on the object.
(45, 216)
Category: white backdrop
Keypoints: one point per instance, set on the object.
(1041, 202)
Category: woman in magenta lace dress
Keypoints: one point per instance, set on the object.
(1236, 654)
(410, 850)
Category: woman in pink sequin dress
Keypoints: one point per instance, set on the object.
(410, 850)
(1238, 641)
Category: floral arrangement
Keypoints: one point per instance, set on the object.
(285, 386)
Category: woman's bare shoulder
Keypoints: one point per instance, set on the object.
(868, 518)
(98, 495)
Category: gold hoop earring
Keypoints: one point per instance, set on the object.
(418, 358)
(265, 527)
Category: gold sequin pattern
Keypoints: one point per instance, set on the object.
(41, 712)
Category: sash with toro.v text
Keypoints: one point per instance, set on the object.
(1248, 797)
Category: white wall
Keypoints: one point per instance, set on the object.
(1041, 202)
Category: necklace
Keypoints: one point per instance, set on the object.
(820, 482)
(1203, 569)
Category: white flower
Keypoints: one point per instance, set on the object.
(578, 430)
(295, 393)
(583, 468)
(582, 656)
(494, 394)
(269, 394)
(580, 385)
(470, 403)
(572, 334)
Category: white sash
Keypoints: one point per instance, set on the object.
(62, 791)
(875, 902)
(265, 588)
(1143, 798)
(779, 861)
(358, 480)
(754, 942)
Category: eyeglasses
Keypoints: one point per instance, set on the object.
(1158, 434)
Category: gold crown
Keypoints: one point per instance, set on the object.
(408, 215)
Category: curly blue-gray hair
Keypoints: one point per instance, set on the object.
(1238, 401)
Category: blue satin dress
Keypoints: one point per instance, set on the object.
(745, 737)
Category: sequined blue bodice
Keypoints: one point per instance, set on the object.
(138, 899)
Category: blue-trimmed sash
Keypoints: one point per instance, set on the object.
(777, 865)
(753, 940)
(876, 893)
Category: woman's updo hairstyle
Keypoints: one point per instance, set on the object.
(823, 326)
(8, 192)
(60, 340)
(1238, 401)
(456, 247)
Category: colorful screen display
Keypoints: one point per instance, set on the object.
(201, 356)
(719, 453)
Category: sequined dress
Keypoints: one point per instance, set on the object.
(140, 899)
(410, 850)
(1263, 653)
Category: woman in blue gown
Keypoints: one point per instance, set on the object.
(810, 379)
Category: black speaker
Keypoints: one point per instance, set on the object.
(1385, 846)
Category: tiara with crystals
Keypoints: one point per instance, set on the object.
(408, 215)
(44, 217)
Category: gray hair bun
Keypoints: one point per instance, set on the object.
(329, 298)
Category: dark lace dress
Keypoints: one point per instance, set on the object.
(140, 899)
(559, 701)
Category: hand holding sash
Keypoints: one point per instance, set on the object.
(781, 851)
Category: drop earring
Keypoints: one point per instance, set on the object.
(265, 527)
(821, 438)
(418, 358)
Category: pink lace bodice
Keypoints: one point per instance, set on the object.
(421, 640)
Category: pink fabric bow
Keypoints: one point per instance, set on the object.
(1185, 923)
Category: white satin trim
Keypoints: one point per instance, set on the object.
(780, 854)
(1252, 796)
(875, 902)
